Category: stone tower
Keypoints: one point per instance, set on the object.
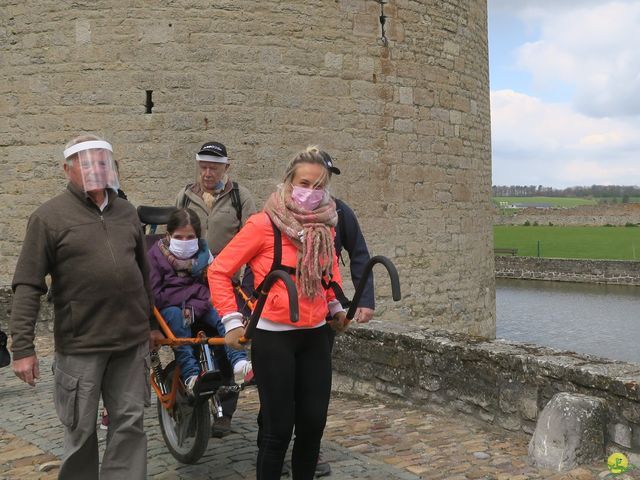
(406, 119)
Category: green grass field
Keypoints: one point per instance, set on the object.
(610, 243)
(555, 201)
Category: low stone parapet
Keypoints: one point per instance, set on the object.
(501, 382)
(618, 272)
(582, 215)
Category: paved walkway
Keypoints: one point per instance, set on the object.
(363, 440)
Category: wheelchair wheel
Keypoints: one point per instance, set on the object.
(185, 427)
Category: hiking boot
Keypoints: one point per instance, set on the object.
(221, 427)
(323, 468)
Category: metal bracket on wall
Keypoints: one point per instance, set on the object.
(383, 19)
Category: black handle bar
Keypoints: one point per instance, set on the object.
(393, 275)
(267, 283)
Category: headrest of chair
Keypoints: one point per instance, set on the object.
(155, 215)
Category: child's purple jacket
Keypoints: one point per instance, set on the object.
(171, 290)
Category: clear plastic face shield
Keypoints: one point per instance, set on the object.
(93, 168)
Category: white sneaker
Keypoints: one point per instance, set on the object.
(241, 371)
(190, 383)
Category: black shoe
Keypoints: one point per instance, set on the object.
(5, 357)
(221, 427)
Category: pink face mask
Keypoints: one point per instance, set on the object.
(307, 198)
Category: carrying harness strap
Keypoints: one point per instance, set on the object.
(277, 265)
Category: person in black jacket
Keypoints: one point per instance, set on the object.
(349, 236)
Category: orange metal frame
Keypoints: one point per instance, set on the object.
(168, 400)
(250, 303)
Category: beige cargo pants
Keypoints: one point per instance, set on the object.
(123, 380)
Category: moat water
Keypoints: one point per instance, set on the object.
(602, 320)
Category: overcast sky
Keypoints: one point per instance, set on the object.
(565, 92)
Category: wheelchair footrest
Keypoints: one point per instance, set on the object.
(208, 383)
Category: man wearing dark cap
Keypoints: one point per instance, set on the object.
(349, 236)
(223, 207)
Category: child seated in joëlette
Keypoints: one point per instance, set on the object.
(176, 265)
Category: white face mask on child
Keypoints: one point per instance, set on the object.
(183, 249)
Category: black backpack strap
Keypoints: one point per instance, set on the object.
(184, 201)
(236, 202)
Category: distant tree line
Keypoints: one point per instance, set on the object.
(594, 191)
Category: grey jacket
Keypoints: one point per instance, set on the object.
(99, 276)
(220, 224)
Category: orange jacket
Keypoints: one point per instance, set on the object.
(253, 245)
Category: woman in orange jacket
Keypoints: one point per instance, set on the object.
(291, 361)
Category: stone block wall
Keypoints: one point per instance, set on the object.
(569, 270)
(501, 382)
(407, 123)
(590, 215)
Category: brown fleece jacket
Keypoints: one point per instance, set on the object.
(99, 276)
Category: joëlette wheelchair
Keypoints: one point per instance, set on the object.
(185, 421)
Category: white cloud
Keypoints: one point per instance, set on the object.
(591, 47)
(584, 173)
(551, 144)
(545, 6)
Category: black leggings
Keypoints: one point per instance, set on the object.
(293, 373)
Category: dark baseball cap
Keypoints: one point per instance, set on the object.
(213, 152)
(329, 162)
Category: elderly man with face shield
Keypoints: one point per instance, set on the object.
(90, 242)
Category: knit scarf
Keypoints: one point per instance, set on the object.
(182, 267)
(310, 232)
(209, 198)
